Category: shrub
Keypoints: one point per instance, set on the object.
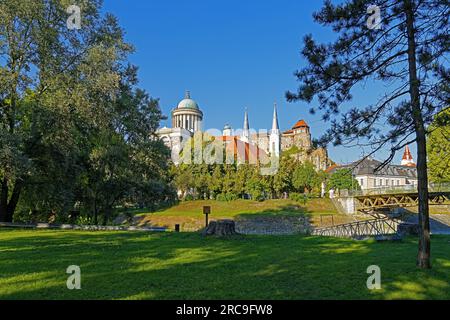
(84, 221)
(221, 197)
(299, 197)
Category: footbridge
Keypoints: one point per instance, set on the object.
(379, 204)
(382, 199)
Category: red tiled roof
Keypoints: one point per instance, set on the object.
(300, 124)
(243, 151)
(331, 168)
(227, 138)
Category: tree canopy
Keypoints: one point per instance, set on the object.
(439, 148)
(76, 134)
(342, 179)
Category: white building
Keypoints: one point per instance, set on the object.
(187, 119)
(390, 176)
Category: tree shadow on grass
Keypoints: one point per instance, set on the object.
(188, 266)
(282, 214)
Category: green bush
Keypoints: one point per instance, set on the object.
(299, 197)
(84, 221)
(221, 197)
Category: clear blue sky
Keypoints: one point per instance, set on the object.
(231, 55)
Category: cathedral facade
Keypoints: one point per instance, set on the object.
(187, 119)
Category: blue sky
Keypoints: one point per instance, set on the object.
(231, 55)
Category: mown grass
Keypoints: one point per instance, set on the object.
(189, 214)
(187, 266)
(246, 207)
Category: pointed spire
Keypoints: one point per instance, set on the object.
(407, 154)
(246, 123)
(407, 159)
(275, 125)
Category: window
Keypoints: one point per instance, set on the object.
(398, 182)
(374, 182)
(362, 182)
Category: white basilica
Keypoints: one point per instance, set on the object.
(187, 120)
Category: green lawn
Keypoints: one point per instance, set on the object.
(189, 214)
(188, 266)
(247, 207)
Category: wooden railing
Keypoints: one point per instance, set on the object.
(433, 187)
(372, 227)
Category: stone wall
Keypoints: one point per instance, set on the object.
(273, 225)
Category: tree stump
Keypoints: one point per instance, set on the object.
(220, 228)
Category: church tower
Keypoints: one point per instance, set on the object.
(275, 136)
(246, 129)
(407, 159)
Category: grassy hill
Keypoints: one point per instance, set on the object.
(189, 214)
(187, 266)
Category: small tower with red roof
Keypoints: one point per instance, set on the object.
(407, 159)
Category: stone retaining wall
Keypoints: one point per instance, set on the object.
(273, 225)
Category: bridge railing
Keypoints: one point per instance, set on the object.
(433, 187)
(372, 227)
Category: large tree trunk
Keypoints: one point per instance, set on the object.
(13, 201)
(4, 200)
(424, 255)
(8, 204)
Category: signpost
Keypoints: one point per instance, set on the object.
(206, 212)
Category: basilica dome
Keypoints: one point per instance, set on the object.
(187, 115)
(188, 103)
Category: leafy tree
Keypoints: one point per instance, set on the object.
(305, 177)
(183, 178)
(342, 179)
(256, 185)
(69, 72)
(74, 130)
(229, 181)
(242, 173)
(405, 54)
(282, 181)
(216, 183)
(125, 161)
(439, 148)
